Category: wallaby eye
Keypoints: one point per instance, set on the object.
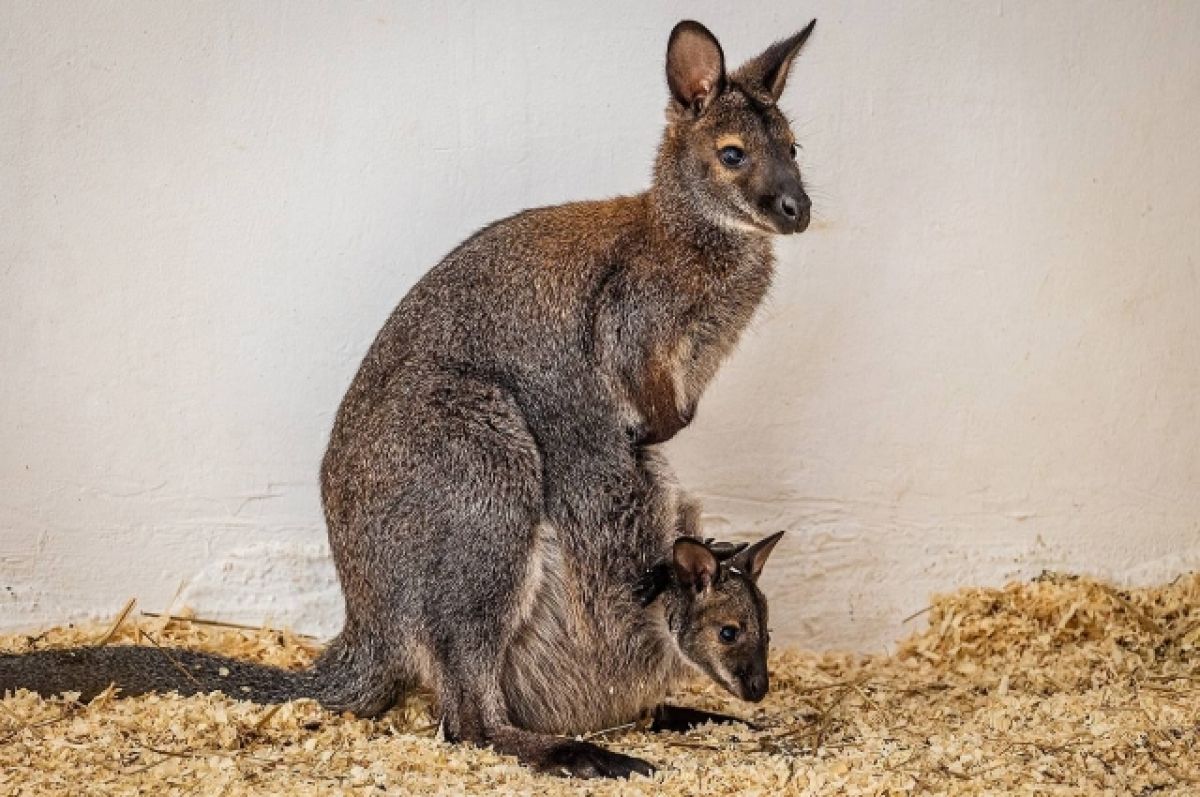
(728, 634)
(732, 157)
(794, 150)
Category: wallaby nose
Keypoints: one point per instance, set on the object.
(792, 210)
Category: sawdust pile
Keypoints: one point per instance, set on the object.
(1059, 686)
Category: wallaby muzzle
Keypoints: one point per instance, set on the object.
(789, 208)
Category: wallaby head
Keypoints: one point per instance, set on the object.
(718, 616)
(728, 148)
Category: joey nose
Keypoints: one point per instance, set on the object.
(755, 686)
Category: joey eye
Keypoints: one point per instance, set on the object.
(728, 634)
(794, 150)
(732, 157)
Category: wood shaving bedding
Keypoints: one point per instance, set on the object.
(1063, 685)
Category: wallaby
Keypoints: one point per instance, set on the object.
(492, 487)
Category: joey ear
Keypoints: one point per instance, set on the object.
(695, 566)
(695, 65)
(751, 560)
(770, 69)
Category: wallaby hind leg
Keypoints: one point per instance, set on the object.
(463, 560)
(473, 629)
(474, 711)
(432, 493)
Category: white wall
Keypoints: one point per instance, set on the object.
(983, 360)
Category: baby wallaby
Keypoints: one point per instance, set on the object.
(492, 486)
(715, 612)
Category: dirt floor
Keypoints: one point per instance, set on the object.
(1059, 686)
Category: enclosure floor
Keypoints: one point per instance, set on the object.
(1059, 686)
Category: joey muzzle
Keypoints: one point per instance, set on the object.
(753, 681)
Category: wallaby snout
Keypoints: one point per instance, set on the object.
(790, 208)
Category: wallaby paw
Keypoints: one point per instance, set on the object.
(586, 760)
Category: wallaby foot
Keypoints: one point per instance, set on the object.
(680, 719)
(586, 760)
(571, 758)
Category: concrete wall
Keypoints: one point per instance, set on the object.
(983, 360)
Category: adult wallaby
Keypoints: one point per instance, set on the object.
(491, 487)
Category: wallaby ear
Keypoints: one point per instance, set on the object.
(695, 65)
(695, 566)
(770, 70)
(751, 560)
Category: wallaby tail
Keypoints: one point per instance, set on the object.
(137, 670)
